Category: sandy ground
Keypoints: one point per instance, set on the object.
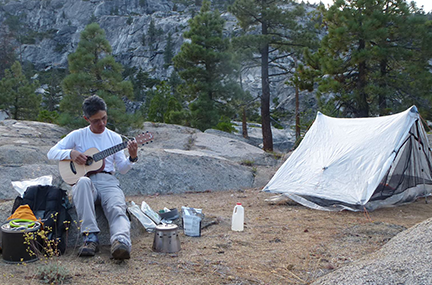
(282, 243)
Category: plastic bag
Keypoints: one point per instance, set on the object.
(147, 223)
(21, 186)
(150, 213)
(192, 221)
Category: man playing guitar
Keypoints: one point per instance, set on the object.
(101, 186)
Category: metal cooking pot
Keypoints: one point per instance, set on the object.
(14, 246)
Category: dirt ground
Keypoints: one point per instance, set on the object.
(282, 243)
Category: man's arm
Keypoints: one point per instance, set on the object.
(64, 149)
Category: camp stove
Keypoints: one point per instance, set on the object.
(166, 239)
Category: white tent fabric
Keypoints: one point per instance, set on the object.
(343, 162)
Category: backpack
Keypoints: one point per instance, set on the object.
(51, 205)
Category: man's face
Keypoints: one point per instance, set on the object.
(97, 122)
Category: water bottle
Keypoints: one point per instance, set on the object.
(238, 218)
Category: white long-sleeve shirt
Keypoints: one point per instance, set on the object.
(84, 139)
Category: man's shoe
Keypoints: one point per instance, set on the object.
(89, 248)
(120, 250)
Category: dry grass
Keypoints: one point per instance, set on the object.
(282, 244)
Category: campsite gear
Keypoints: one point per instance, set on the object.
(23, 212)
(21, 185)
(147, 223)
(169, 214)
(150, 213)
(166, 239)
(23, 223)
(72, 172)
(358, 164)
(49, 205)
(237, 221)
(15, 243)
(191, 219)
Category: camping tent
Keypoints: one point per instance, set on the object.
(358, 163)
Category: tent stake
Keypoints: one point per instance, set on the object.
(365, 212)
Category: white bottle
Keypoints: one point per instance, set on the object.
(238, 218)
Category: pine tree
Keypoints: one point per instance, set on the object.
(7, 55)
(168, 53)
(206, 66)
(275, 32)
(93, 70)
(158, 104)
(18, 95)
(375, 58)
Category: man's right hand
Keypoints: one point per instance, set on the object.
(78, 157)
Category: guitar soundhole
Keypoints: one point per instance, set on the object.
(89, 160)
(72, 167)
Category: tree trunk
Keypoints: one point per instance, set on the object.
(244, 123)
(362, 106)
(297, 113)
(382, 103)
(265, 97)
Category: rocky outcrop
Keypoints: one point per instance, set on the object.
(405, 259)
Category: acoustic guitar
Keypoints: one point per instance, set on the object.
(71, 172)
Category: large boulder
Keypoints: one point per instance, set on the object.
(405, 259)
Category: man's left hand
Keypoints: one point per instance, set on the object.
(132, 147)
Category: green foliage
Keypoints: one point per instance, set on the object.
(169, 52)
(93, 70)
(129, 20)
(204, 115)
(165, 108)
(48, 116)
(274, 33)
(7, 54)
(53, 273)
(206, 67)
(18, 95)
(225, 125)
(375, 58)
(158, 104)
(153, 34)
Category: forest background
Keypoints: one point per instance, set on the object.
(349, 59)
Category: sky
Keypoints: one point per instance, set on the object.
(427, 4)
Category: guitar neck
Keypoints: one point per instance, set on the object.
(105, 153)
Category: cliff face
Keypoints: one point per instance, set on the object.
(49, 31)
(55, 26)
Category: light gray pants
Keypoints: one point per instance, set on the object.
(102, 188)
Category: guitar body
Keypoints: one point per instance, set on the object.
(72, 172)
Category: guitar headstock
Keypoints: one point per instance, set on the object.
(144, 138)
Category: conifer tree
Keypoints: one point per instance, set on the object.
(18, 95)
(168, 53)
(93, 70)
(375, 58)
(275, 32)
(205, 64)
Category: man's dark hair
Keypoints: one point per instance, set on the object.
(92, 105)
